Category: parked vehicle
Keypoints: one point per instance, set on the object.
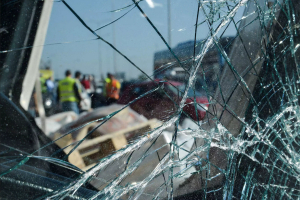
(164, 102)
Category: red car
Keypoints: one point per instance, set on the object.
(164, 102)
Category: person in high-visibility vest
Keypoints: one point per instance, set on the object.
(68, 93)
(112, 88)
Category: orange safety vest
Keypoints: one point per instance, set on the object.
(112, 89)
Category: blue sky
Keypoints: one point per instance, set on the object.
(134, 37)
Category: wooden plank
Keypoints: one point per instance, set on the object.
(103, 138)
(88, 153)
(88, 167)
(119, 141)
(75, 158)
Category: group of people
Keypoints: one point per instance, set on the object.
(69, 90)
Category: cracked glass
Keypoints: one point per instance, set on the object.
(208, 104)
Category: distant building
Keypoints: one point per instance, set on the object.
(185, 51)
(166, 66)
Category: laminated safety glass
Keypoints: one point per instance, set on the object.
(176, 99)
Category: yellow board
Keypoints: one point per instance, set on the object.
(46, 73)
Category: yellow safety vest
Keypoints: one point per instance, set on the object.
(66, 90)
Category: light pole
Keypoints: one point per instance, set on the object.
(100, 57)
(169, 23)
(114, 38)
(99, 23)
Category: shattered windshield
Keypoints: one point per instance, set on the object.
(191, 92)
(149, 99)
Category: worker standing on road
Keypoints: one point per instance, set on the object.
(50, 88)
(79, 86)
(112, 88)
(68, 93)
(86, 83)
(77, 79)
